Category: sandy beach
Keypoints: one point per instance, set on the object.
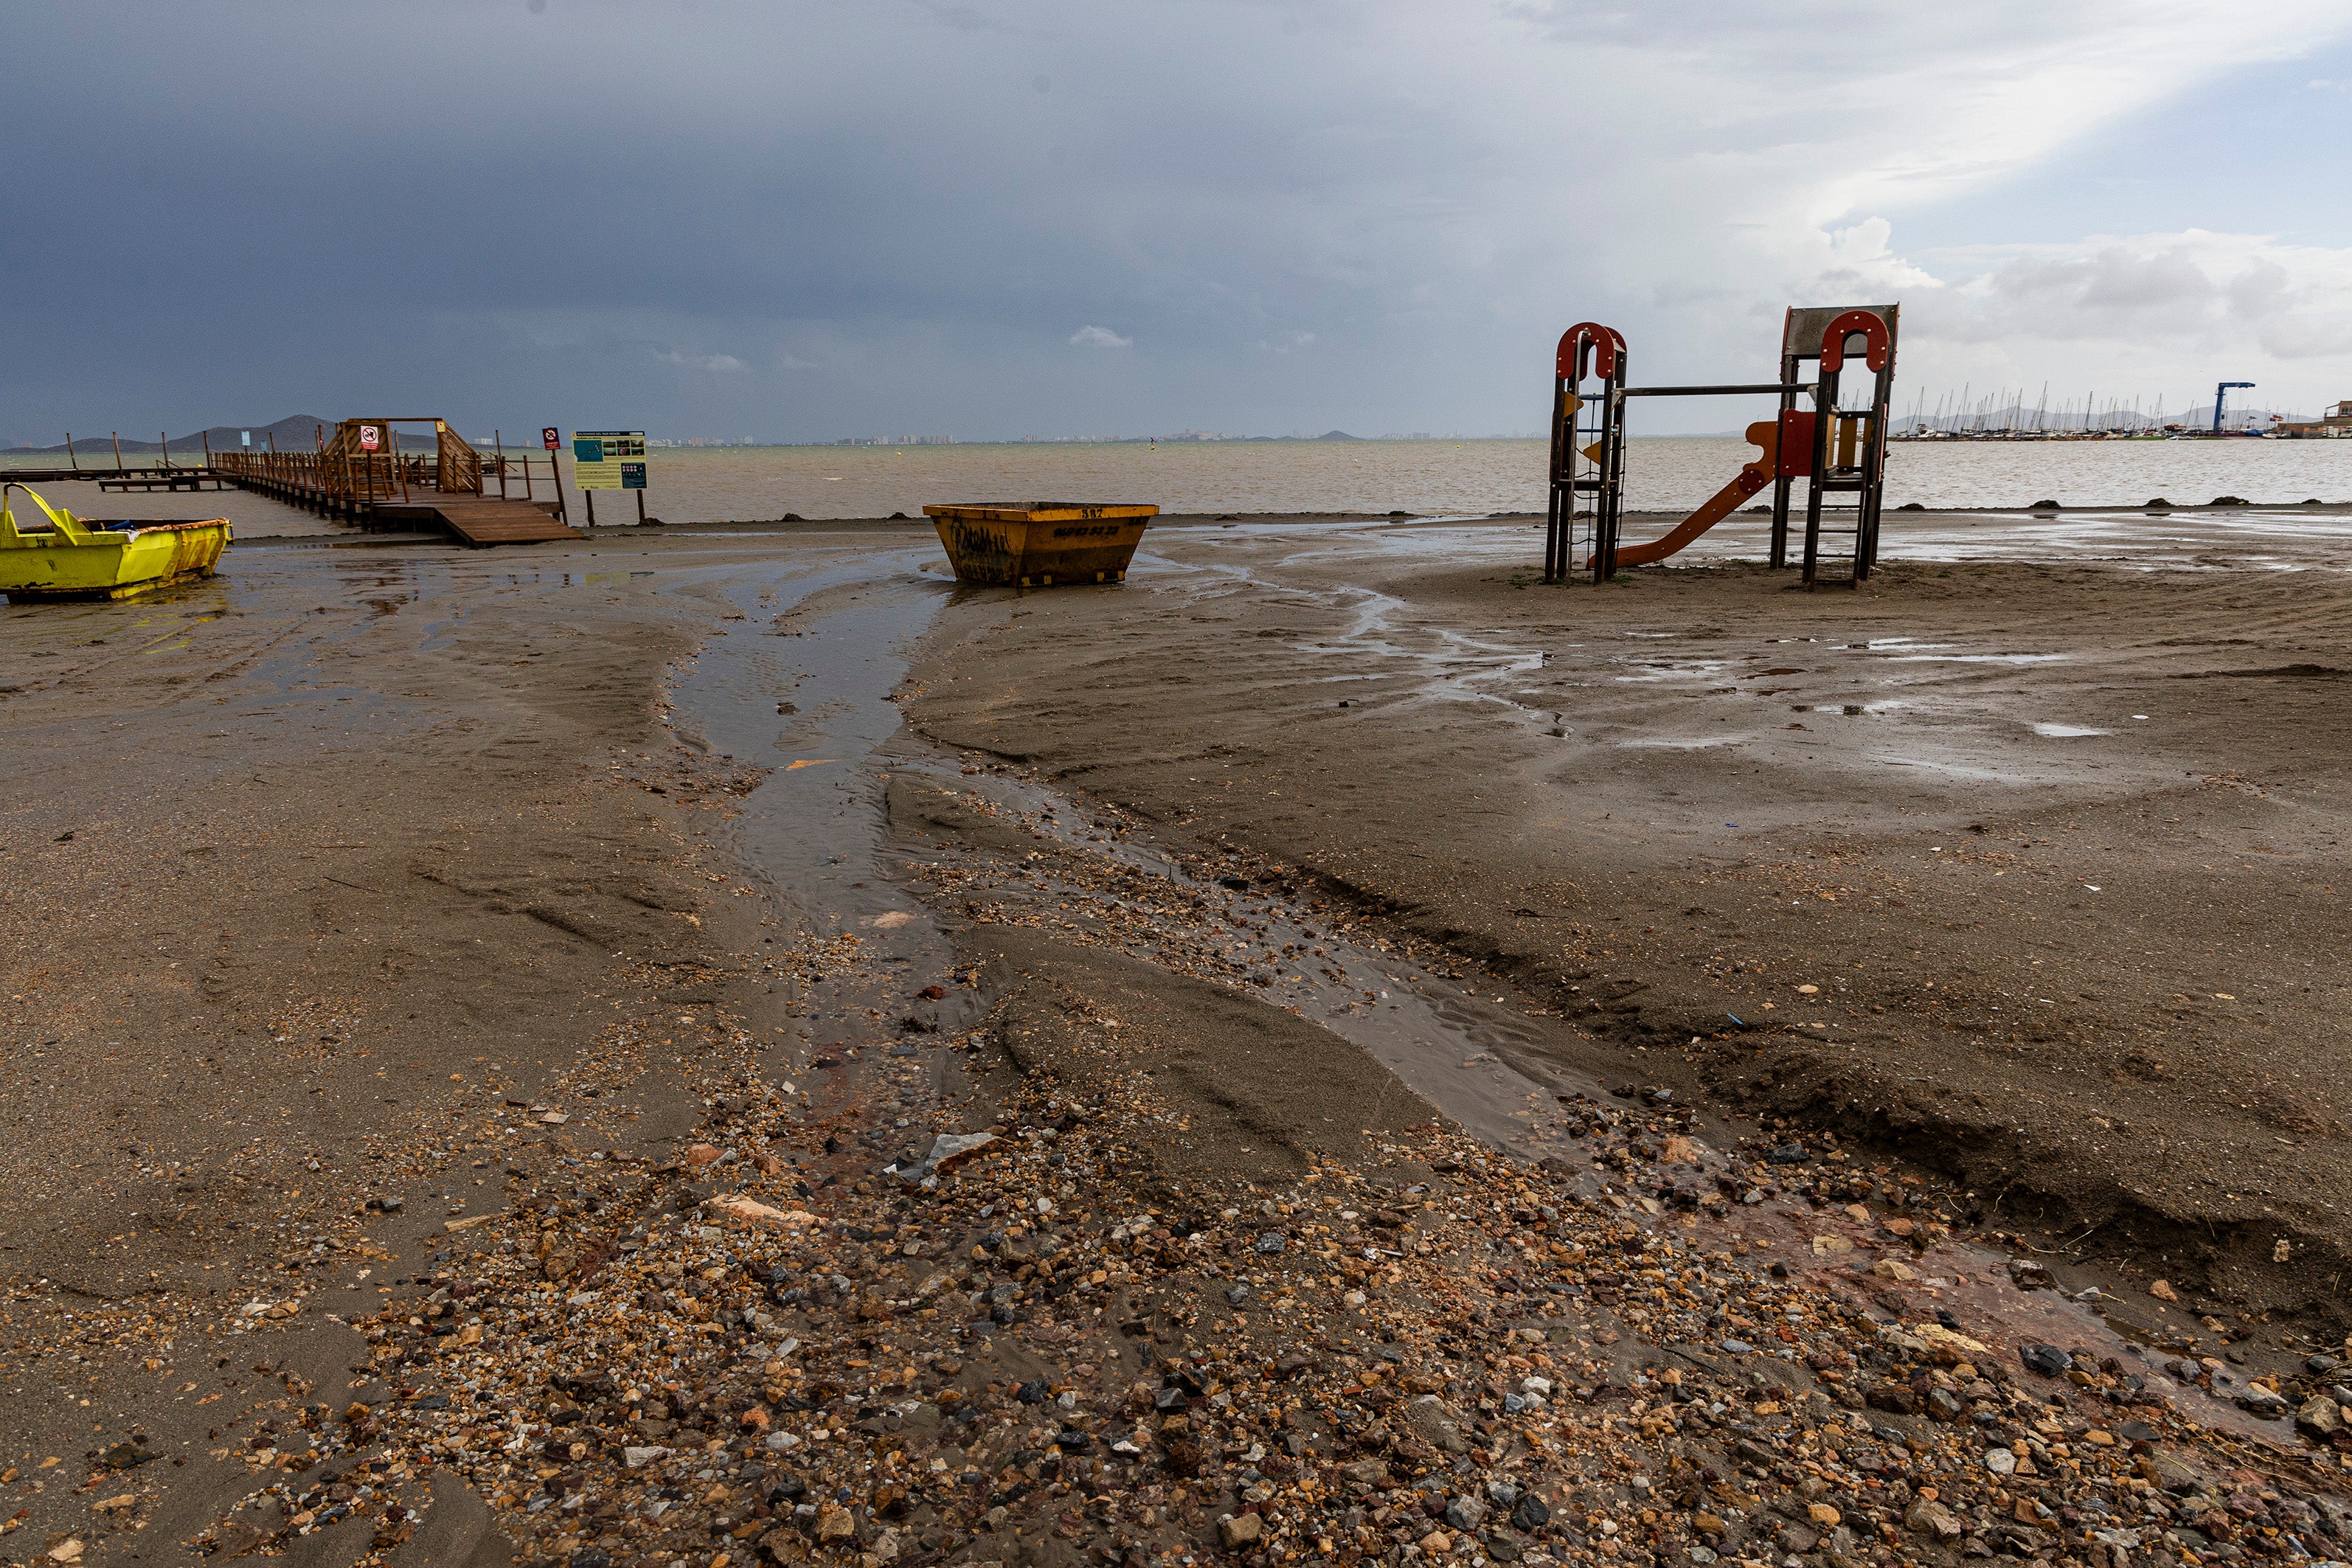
(2025, 873)
(478, 1028)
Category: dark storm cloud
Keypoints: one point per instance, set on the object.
(809, 220)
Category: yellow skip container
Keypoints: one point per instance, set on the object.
(1044, 544)
(53, 554)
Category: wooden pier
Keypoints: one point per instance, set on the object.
(166, 474)
(475, 499)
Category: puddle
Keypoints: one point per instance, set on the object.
(2137, 539)
(1976, 659)
(1655, 670)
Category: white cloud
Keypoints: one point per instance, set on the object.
(2197, 291)
(1696, 188)
(699, 361)
(1099, 338)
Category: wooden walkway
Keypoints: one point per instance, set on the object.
(387, 488)
(476, 519)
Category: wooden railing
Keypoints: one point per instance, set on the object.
(342, 479)
(457, 467)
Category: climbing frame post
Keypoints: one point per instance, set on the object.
(1588, 452)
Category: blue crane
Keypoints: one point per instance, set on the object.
(2221, 391)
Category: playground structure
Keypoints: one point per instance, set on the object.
(1841, 455)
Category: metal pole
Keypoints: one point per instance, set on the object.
(586, 495)
(1613, 474)
(1874, 470)
(1781, 482)
(641, 508)
(1784, 388)
(1551, 485)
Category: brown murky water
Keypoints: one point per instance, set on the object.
(1427, 477)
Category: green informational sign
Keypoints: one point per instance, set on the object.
(608, 459)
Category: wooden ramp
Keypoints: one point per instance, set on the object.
(478, 520)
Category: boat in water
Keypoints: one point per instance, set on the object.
(47, 553)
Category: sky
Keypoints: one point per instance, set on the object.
(985, 220)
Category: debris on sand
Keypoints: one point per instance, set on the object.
(1047, 1357)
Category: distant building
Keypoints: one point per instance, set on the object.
(2337, 422)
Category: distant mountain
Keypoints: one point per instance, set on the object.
(295, 432)
(1338, 436)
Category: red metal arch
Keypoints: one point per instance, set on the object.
(1608, 341)
(1878, 343)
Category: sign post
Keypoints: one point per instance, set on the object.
(609, 460)
(554, 438)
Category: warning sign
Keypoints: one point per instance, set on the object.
(370, 437)
(552, 436)
(608, 459)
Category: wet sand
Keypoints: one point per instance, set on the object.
(361, 893)
(2023, 873)
(322, 876)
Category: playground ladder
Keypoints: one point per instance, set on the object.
(1849, 454)
(1587, 454)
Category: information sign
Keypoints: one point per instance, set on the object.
(601, 459)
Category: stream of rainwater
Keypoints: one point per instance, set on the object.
(803, 686)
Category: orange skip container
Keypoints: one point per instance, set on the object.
(1042, 544)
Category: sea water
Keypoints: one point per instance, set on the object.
(1466, 478)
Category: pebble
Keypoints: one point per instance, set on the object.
(2047, 1361)
(1458, 1420)
(944, 1370)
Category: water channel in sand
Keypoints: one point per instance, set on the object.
(831, 635)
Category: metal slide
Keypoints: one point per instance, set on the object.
(1751, 480)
